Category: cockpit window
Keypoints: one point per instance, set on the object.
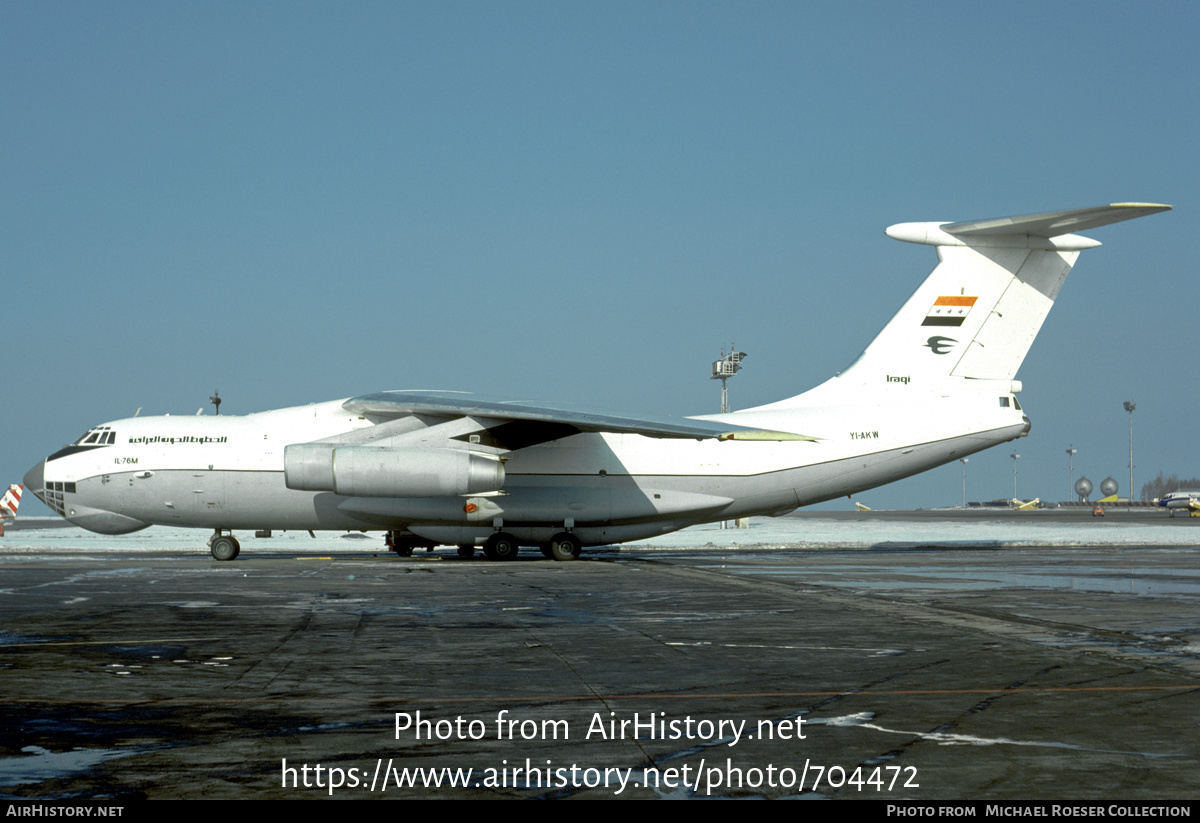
(90, 439)
(99, 436)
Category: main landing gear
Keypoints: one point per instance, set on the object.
(503, 546)
(224, 546)
(500, 546)
(565, 546)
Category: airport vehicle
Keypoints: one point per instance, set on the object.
(1186, 499)
(438, 467)
(9, 503)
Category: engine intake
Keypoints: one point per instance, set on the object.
(365, 471)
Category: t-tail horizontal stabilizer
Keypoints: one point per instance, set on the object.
(976, 315)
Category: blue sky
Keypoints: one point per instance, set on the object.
(293, 202)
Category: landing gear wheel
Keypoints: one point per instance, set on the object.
(547, 552)
(403, 550)
(565, 546)
(224, 548)
(466, 552)
(501, 546)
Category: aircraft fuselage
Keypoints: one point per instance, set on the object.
(227, 472)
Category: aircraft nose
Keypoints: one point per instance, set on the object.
(35, 481)
(34, 478)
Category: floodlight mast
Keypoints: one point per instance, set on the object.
(1129, 407)
(725, 368)
(1015, 457)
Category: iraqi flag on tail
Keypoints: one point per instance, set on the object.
(949, 310)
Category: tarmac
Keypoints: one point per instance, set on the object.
(908, 672)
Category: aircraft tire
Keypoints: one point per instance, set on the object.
(224, 548)
(501, 546)
(466, 552)
(547, 552)
(565, 546)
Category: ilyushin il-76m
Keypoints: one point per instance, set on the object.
(448, 468)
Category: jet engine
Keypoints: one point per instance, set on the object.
(367, 471)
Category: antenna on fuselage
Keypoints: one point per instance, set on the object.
(216, 400)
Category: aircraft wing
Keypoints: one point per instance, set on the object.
(450, 405)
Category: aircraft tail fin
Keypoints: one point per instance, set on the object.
(976, 315)
(10, 501)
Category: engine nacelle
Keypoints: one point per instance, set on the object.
(366, 471)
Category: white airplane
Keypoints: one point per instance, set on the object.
(436, 467)
(1188, 499)
(9, 504)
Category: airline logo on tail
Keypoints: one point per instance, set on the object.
(9, 503)
(940, 345)
(949, 310)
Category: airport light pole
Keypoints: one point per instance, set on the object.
(964, 460)
(1129, 407)
(1071, 452)
(1015, 457)
(725, 368)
